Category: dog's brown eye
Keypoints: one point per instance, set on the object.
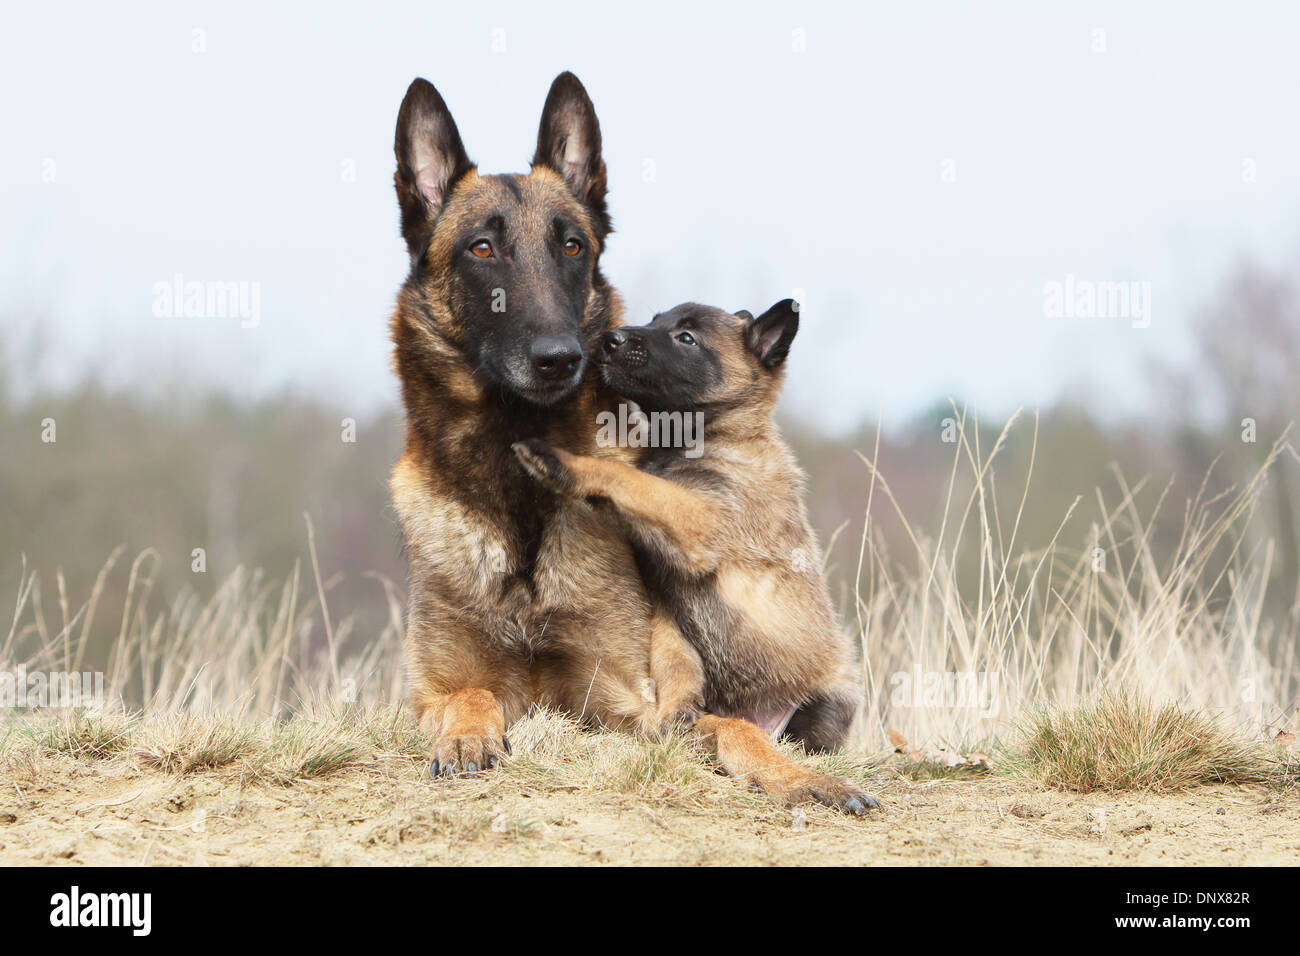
(572, 247)
(482, 249)
(685, 338)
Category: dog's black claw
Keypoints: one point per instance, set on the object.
(434, 769)
(471, 767)
(871, 802)
(505, 742)
(492, 761)
(854, 806)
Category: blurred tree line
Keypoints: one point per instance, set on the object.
(230, 477)
(235, 477)
(1218, 417)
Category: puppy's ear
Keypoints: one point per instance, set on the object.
(568, 141)
(769, 336)
(430, 158)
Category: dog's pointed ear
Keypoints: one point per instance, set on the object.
(769, 336)
(430, 158)
(568, 141)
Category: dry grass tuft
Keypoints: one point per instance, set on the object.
(185, 743)
(1123, 742)
(79, 735)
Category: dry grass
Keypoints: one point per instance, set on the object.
(1052, 626)
(259, 679)
(188, 742)
(1121, 742)
(553, 753)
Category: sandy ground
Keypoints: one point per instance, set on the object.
(85, 813)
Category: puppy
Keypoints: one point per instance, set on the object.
(722, 540)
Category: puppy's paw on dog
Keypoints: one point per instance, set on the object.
(542, 462)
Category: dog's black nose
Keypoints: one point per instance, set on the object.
(555, 356)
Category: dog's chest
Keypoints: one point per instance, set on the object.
(527, 571)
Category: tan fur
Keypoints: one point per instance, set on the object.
(753, 537)
(731, 532)
(746, 753)
(676, 673)
(516, 598)
(587, 624)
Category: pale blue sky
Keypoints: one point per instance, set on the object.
(775, 170)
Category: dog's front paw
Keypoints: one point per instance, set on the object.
(544, 465)
(467, 754)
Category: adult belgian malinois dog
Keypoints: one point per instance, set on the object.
(518, 596)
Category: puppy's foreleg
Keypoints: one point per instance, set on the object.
(658, 512)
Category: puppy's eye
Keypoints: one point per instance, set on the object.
(482, 249)
(572, 247)
(685, 338)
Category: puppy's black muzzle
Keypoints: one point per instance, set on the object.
(625, 348)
